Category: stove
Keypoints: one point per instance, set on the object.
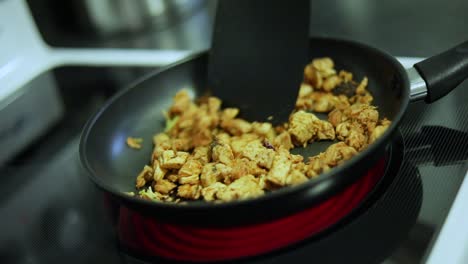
(51, 213)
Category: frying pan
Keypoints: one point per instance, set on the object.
(136, 111)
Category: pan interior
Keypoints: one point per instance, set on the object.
(137, 112)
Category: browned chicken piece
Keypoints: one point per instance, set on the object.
(181, 102)
(283, 140)
(181, 144)
(193, 179)
(325, 66)
(242, 188)
(145, 176)
(158, 172)
(209, 192)
(345, 76)
(223, 138)
(352, 133)
(366, 115)
(264, 130)
(229, 113)
(214, 172)
(202, 154)
(322, 102)
(280, 168)
(300, 128)
(331, 83)
(160, 138)
(191, 167)
(295, 177)
(222, 153)
(312, 76)
(338, 153)
(214, 105)
(304, 101)
(255, 151)
(150, 195)
(173, 160)
(164, 186)
(244, 166)
(323, 130)
(134, 143)
(361, 89)
(238, 142)
(189, 191)
(172, 177)
(336, 117)
(236, 126)
(379, 130)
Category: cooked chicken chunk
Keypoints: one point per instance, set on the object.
(244, 187)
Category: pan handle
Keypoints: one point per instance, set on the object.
(436, 76)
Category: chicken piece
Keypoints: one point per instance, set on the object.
(193, 179)
(229, 113)
(295, 177)
(323, 102)
(236, 126)
(325, 66)
(239, 142)
(312, 76)
(338, 153)
(316, 166)
(280, 168)
(158, 172)
(301, 123)
(323, 130)
(345, 76)
(163, 186)
(172, 177)
(242, 167)
(161, 138)
(303, 99)
(202, 154)
(173, 160)
(191, 167)
(189, 191)
(361, 89)
(283, 140)
(255, 151)
(134, 143)
(264, 130)
(352, 133)
(223, 138)
(379, 130)
(214, 105)
(181, 102)
(336, 117)
(242, 188)
(145, 176)
(209, 193)
(222, 153)
(148, 194)
(181, 144)
(214, 172)
(366, 115)
(331, 82)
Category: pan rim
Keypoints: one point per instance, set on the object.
(322, 178)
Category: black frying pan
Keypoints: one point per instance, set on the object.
(136, 111)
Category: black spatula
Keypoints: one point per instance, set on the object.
(259, 50)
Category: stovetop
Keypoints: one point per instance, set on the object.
(52, 213)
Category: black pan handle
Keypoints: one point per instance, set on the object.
(441, 73)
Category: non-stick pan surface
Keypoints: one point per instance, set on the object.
(137, 111)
